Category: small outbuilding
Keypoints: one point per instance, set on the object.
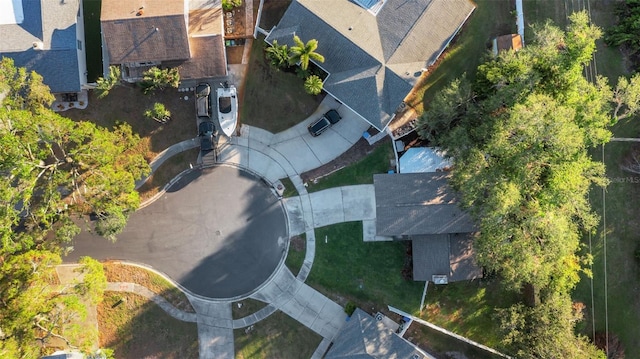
(506, 43)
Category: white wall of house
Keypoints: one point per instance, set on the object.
(81, 47)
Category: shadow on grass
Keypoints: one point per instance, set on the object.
(278, 336)
(274, 100)
(137, 328)
(127, 103)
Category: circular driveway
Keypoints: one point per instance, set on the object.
(219, 232)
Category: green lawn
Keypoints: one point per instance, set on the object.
(138, 328)
(359, 173)
(368, 272)
(273, 100)
(490, 19)
(467, 308)
(278, 336)
(246, 307)
(297, 251)
(93, 41)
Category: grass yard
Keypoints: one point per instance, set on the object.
(370, 273)
(278, 336)
(246, 307)
(126, 103)
(437, 342)
(119, 272)
(490, 19)
(297, 250)
(467, 309)
(289, 189)
(359, 173)
(137, 328)
(167, 171)
(273, 100)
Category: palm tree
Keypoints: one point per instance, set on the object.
(278, 55)
(302, 52)
(313, 85)
(105, 85)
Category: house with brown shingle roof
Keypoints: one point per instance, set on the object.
(139, 34)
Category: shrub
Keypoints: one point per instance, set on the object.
(105, 85)
(156, 79)
(158, 113)
(313, 85)
(350, 308)
(228, 5)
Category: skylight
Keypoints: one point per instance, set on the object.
(373, 6)
(11, 12)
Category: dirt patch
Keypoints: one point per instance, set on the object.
(358, 151)
(272, 12)
(297, 244)
(119, 272)
(234, 54)
(127, 103)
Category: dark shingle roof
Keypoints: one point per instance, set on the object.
(208, 58)
(364, 337)
(418, 204)
(159, 33)
(391, 47)
(53, 23)
(445, 254)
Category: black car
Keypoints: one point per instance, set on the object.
(207, 131)
(331, 117)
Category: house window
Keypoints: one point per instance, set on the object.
(79, 45)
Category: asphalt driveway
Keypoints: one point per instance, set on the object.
(219, 232)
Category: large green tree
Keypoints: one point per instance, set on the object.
(36, 309)
(52, 168)
(302, 53)
(519, 137)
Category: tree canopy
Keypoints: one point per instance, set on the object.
(518, 137)
(53, 168)
(303, 53)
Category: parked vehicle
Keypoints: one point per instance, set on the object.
(227, 109)
(203, 100)
(207, 132)
(331, 117)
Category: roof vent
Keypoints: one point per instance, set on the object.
(38, 45)
(416, 356)
(350, 28)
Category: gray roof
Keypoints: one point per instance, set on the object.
(418, 204)
(158, 34)
(444, 254)
(374, 60)
(364, 337)
(53, 23)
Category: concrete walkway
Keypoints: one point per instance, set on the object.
(273, 157)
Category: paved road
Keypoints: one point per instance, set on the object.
(220, 233)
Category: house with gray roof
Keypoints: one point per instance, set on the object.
(139, 34)
(365, 337)
(375, 50)
(47, 37)
(423, 208)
